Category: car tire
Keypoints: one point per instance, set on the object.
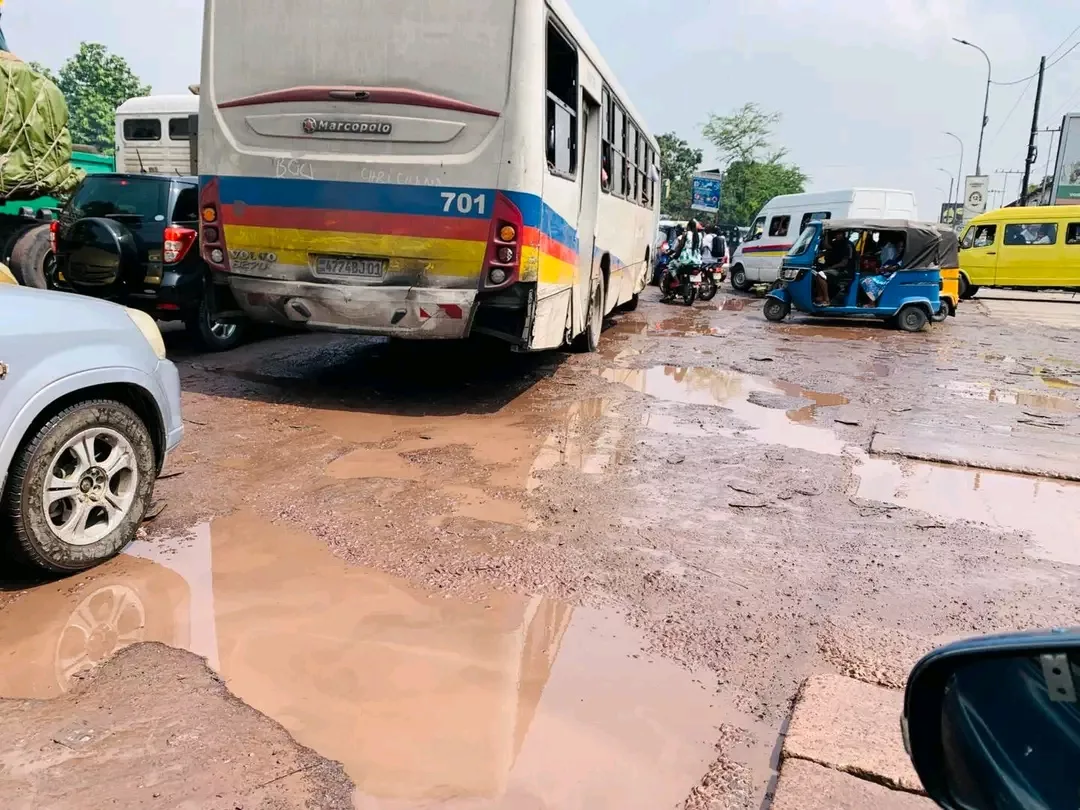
(589, 340)
(31, 257)
(212, 336)
(739, 281)
(100, 452)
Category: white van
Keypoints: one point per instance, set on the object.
(153, 134)
(775, 229)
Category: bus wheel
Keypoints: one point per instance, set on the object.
(632, 304)
(589, 340)
(967, 289)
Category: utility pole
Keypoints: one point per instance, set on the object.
(1005, 183)
(1032, 151)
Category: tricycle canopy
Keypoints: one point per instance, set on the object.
(926, 244)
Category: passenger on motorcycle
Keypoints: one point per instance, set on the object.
(686, 252)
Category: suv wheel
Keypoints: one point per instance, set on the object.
(32, 259)
(214, 336)
(80, 486)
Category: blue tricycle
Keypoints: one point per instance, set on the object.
(889, 269)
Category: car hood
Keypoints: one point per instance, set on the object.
(47, 311)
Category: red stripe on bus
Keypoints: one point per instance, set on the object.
(363, 95)
(321, 219)
(549, 246)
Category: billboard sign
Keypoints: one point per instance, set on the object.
(1067, 174)
(952, 214)
(706, 193)
(976, 192)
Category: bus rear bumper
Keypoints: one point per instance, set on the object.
(403, 312)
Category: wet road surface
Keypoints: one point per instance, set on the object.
(482, 580)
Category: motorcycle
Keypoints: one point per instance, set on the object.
(712, 273)
(685, 281)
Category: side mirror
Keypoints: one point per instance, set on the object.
(993, 723)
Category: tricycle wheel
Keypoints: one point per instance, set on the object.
(912, 318)
(942, 313)
(776, 310)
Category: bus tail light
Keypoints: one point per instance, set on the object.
(502, 264)
(211, 230)
(178, 242)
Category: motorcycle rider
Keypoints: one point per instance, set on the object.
(685, 253)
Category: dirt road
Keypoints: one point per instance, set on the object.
(485, 581)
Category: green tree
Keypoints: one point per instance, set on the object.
(678, 162)
(94, 83)
(755, 171)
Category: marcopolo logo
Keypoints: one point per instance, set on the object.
(316, 125)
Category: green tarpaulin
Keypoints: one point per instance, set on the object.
(35, 143)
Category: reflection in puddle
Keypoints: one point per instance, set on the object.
(731, 390)
(1048, 509)
(512, 702)
(1025, 399)
(869, 331)
(566, 445)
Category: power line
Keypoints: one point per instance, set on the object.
(1011, 112)
(1059, 47)
(1036, 73)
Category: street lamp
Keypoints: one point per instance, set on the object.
(960, 171)
(986, 101)
(950, 176)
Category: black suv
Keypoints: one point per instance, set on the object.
(133, 239)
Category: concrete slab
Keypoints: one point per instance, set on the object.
(1021, 451)
(806, 786)
(1036, 313)
(852, 727)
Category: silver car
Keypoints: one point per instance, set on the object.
(89, 408)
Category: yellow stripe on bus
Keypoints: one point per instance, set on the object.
(455, 257)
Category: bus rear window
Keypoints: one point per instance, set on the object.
(142, 129)
(459, 49)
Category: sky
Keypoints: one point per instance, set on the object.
(866, 87)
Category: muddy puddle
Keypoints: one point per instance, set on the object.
(482, 466)
(1025, 399)
(511, 702)
(734, 392)
(1048, 510)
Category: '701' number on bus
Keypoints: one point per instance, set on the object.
(465, 203)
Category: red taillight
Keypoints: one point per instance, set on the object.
(211, 229)
(54, 229)
(178, 242)
(502, 264)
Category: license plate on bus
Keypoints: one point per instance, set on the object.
(350, 267)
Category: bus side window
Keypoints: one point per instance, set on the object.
(562, 102)
(608, 111)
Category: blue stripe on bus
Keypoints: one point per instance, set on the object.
(388, 198)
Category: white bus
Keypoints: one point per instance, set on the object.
(422, 169)
(153, 134)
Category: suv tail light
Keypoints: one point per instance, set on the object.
(178, 242)
(502, 264)
(54, 228)
(211, 231)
